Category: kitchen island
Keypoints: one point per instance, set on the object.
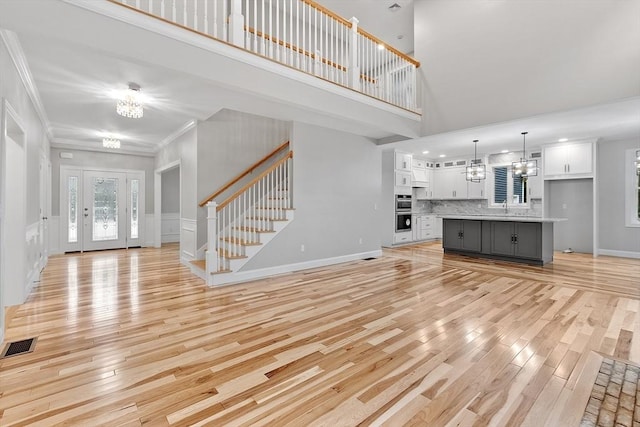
(521, 239)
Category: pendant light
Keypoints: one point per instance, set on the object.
(525, 167)
(476, 171)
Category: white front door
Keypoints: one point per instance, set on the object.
(104, 210)
(101, 209)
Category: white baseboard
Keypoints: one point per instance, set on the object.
(621, 254)
(245, 276)
(171, 238)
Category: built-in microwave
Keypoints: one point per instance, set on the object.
(403, 203)
(403, 222)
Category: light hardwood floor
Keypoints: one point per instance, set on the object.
(411, 338)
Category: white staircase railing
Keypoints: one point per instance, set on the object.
(236, 223)
(300, 34)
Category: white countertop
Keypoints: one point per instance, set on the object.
(514, 218)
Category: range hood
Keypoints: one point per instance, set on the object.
(419, 178)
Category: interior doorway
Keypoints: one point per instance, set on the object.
(13, 209)
(101, 209)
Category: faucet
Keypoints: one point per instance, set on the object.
(505, 206)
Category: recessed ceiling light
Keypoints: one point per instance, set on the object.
(563, 139)
(395, 7)
(443, 155)
(504, 151)
(425, 152)
(380, 46)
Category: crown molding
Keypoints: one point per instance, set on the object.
(177, 134)
(16, 53)
(71, 145)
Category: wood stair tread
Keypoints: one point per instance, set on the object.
(200, 263)
(226, 254)
(254, 230)
(267, 219)
(239, 241)
(221, 271)
(274, 208)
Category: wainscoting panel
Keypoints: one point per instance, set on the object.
(170, 227)
(188, 239)
(54, 235)
(33, 252)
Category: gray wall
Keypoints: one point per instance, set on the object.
(571, 199)
(614, 235)
(228, 143)
(184, 148)
(492, 61)
(336, 183)
(89, 159)
(171, 191)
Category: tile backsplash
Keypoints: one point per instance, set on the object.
(474, 207)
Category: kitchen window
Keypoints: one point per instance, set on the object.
(506, 188)
(632, 190)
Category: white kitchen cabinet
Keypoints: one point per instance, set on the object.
(403, 179)
(449, 183)
(534, 185)
(422, 193)
(418, 164)
(402, 161)
(405, 237)
(476, 190)
(564, 161)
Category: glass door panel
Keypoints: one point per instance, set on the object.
(104, 210)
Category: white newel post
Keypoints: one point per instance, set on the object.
(236, 23)
(212, 227)
(354, 67)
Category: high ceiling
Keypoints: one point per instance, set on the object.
(75, 81)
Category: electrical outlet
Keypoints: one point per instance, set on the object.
(301, 248)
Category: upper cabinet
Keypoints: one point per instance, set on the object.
(450, 183)
(403, 161)
(565, 161)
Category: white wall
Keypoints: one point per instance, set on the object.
(492, 61)
(228, 143)
(14, 92)
(614, 235)
(336, 183)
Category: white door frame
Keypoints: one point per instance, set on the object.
(134, 173)
(157, 199)
(14, 287)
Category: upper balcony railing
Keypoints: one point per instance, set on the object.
(300, 34)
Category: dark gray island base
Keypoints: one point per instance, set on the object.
(518, 239)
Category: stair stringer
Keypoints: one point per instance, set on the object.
(250, 251)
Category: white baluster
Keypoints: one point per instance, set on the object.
(297, 34)
(162, 15)
(278, 48)
(195, 15)
(271, 30)
(184, 12)
(212, 237)
(174, 10)
(354, 68)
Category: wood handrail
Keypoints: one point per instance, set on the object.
(254, 180)
(388, 47)
(326, 11)
(243, 174)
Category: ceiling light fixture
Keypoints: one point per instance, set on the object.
(563, 139)
(504, 151)
(395, 7)
(524, 168)
(380, 46)
(443, 155)
(110, 143)
(130, 104)
(425, 152)
(476, 171)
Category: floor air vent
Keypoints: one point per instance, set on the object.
(19, 347)
(368, 259)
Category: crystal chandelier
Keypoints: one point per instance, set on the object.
(476, 171)
(110, 143)
(638, 162)
(130, 104)
(524, 168)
